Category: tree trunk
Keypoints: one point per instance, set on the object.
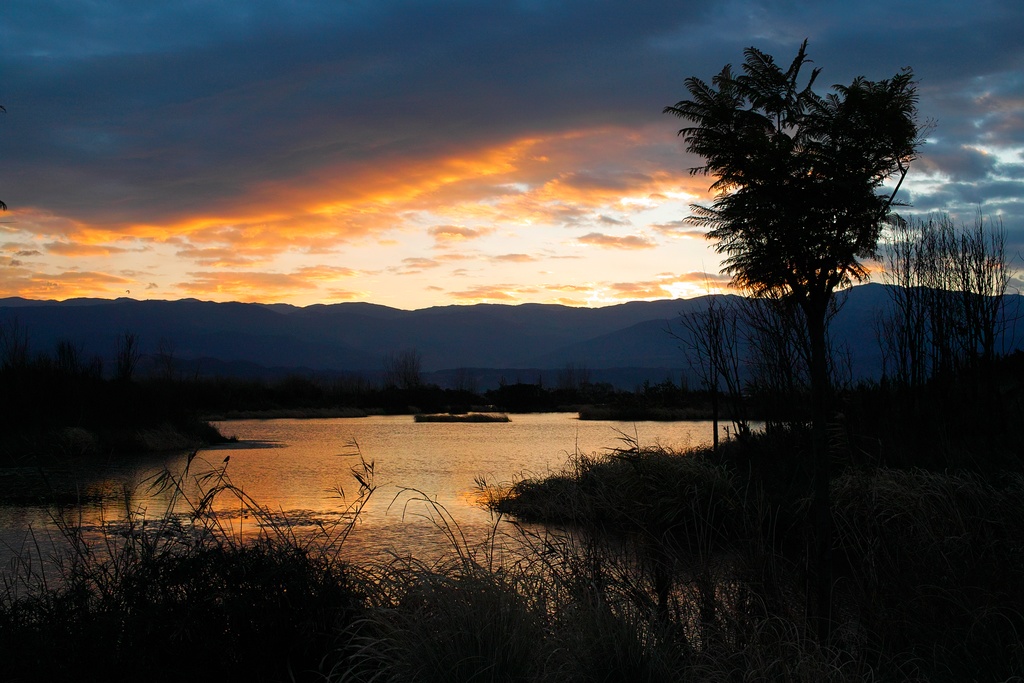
(820, 597)
(714, 416)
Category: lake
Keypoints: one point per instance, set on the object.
(297, 469)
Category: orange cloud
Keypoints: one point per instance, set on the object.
(450, 257)
(570, 288)
(217, 257)
(497, 292)
(611, 242)
(582, 294)
(638, 290)
(453, 233)
(415, 264)
(18, 281)
(480, 183)
(86, 277)
(344, 295)
(73, 249)
(20, 249)
(716, 279)
(675, 286)
(514, 258)
(326, 273)
(531, 178)
(244, 286)
(514, 191)
(314, 212)
(566, 294)
(44, 223)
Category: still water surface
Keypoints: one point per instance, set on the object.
(296, 469)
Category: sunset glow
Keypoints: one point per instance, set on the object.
(345, 172)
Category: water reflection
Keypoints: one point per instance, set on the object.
(300, 473)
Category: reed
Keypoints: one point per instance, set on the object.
(181, 595)
(674, 496)
(460, 624)
(660, 566)
(930, 583)
(934, 566)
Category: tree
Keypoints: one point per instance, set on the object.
(127, 356)
(712, 334)
(402, 369)
(14, 349)
(574, 377)
(948, 287)
(797, 206)
(165, 360)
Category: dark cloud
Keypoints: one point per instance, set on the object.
(144, 106)
(606, 180)
(981, 195)
(957, 162)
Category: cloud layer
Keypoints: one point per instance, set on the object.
(417, 153)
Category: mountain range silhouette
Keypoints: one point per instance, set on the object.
(623, 344)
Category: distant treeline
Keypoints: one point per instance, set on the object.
(60, 403)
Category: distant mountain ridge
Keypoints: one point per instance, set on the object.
(354, 337)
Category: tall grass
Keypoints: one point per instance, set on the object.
(182, 594)
(931, 566)
(656, 566)
(935, 567)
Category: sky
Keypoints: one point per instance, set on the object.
(415, 154)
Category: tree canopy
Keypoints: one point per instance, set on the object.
(797, 204)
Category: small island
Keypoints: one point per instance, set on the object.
(461, 417)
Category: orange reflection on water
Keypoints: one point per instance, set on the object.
(287, 476)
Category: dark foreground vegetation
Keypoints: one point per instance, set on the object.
(654, 565)
(928, 577)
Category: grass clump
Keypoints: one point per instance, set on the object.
(533, 618)
(672, 496)
(181, 596)
(457, 624)
(934, 563)
(929, 566)
(256, 611)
